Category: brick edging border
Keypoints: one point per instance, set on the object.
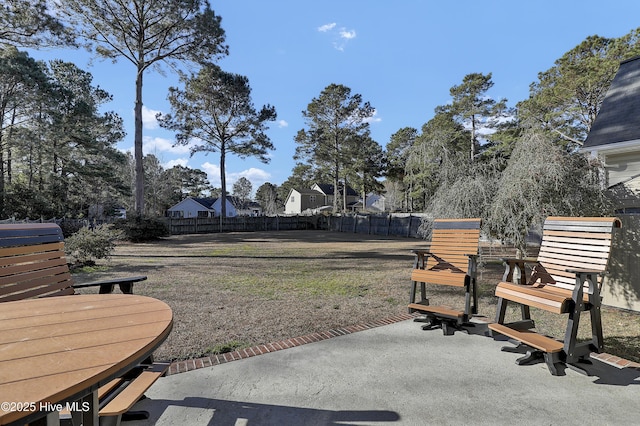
(616, 361)
(208, 361)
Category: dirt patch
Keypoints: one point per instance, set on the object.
(243, 289)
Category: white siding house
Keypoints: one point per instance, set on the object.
(217, 207)
(300, 200)
(192, 207)
(614, 138)
(200, 207)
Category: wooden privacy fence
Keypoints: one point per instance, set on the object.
(405, 225)
(205, 225)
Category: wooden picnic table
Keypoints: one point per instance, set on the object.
(59, 350)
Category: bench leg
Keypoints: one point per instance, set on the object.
(412, 296)
(126, 288)
(135, 415)
(111, 420)
(554, 364)
(474, 288)
(448, 329)
(469, 301)
(596, 328)
(106, 289)
(534, 356)
(501, 310)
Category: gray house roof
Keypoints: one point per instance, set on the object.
(206, 202)
(619, 117)
(308, 191)
(328, 189)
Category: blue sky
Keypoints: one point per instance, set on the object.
(401, 56)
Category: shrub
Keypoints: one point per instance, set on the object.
(70, 227)
(139, 228)
(88, 245)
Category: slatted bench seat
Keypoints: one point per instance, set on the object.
(33, 264)
(566, 278)
(117, 397)
(451, 260)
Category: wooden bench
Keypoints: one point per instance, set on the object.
(451, 260)
(33, 264)
(566, 278)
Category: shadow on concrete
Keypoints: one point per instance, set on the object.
(221, 412)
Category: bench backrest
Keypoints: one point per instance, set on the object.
(574, 243)
(32, 262)
(452, 240)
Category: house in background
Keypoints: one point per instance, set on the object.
(328, 193)
(614, 138)
(200, 207)
(192, 207)
(318, 196)
(300, 200)
(217, 207)
(246, 207)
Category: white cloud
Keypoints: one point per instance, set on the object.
(253, 174)
(149, 118)
(373, 118)
(256, 176)
(347, 34)
(155, 146)
(327, 27)
(340, 35)
(213, 174)
(177, 162)
(282, 123)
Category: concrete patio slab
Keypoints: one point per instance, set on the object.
(393, 374)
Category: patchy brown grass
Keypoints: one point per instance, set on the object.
(242, 289)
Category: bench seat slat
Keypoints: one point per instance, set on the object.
(134, 390)
(439, 310)
(530, 338)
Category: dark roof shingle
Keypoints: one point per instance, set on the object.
(619, 117)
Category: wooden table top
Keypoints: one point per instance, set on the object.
(52, 349)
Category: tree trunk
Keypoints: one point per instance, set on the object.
(137, 144)
(344, 196)
(223, 183)
(2, 181)
(9, 156)
(473, 137)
